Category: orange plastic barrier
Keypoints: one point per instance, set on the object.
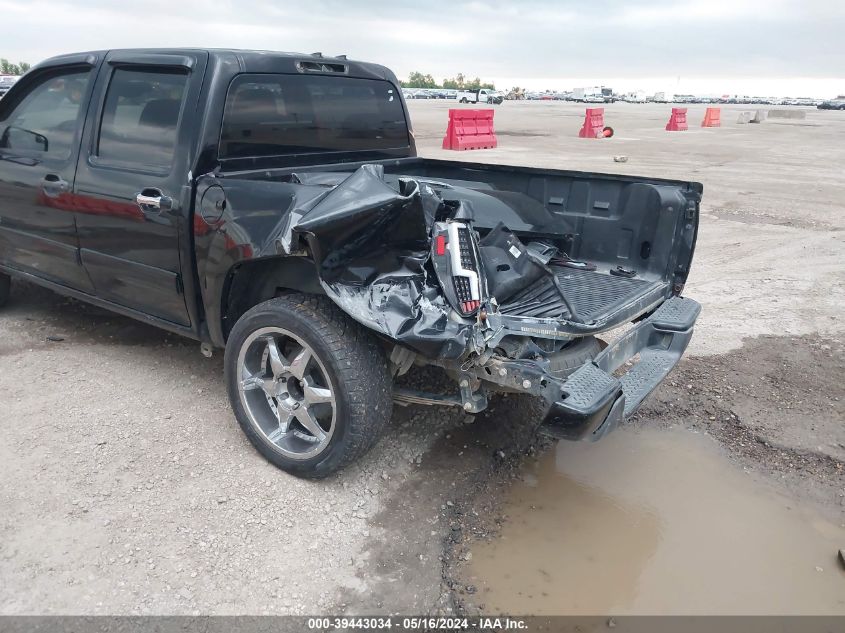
(470, 129)
(712, 118)
(593, 124)
(678, 120)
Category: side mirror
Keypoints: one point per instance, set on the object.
(21, 139)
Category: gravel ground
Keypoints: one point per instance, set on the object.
(128, 488)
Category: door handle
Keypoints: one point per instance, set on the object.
(54, 186)
(152, 199)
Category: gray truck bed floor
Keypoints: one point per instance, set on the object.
(591, 293)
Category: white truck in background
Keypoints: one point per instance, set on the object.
(663, 97)
(484, 95)
(591, 94)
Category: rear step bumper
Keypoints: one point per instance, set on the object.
(594, 401)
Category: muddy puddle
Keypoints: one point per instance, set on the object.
(654, 522)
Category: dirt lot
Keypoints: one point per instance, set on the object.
(128, 488)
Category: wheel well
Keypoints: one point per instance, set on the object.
(253, 282)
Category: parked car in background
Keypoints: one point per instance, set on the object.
(833, 104)
(6, 82)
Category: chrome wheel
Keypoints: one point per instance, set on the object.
(286, 392)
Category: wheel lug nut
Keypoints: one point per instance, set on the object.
(295, 406)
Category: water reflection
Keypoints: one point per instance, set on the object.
(655, 522)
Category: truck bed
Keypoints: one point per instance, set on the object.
(593, 295)
(644, 225)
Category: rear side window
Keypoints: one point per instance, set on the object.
(276, 115)
(46, 119)
(141, 117)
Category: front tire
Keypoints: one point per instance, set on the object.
(5, 289)
(309, 386)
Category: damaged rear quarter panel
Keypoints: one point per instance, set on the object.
(371, 243)
(368, 240)
(237, 221)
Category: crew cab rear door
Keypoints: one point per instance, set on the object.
(132, 188)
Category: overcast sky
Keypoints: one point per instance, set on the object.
(754, 47)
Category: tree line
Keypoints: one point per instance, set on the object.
(458, 82)
(8, 68)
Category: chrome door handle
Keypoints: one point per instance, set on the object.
(53, 185)
(153, 199)
(148, 201)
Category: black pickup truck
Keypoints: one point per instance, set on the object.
(272, 204)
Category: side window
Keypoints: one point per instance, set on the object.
(140, 117)
(277, 115)
(45, 121)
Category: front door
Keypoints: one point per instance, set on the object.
(132, 193)
(40, 127)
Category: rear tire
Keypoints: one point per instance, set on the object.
(5, 289)
(312, 417)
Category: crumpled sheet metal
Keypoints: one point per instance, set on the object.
(371, 243)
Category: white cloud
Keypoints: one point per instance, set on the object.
(684, 11)
(531, 39)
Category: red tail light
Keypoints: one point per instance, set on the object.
(440, 245)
